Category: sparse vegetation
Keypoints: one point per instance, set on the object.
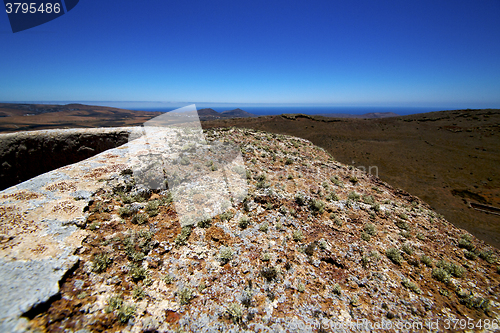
(297, 235)
(411, 285)
(264, 227)
(244, 222)
(337, 290)
(185, 295)
(235, 312)
(427, 261)
(353, 196)
(394, 255)
(407, 248)
(317, 206)
(225, 254)
(100, 262)
(183, 236)
(139, 218)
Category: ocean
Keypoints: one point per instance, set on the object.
(310, 110)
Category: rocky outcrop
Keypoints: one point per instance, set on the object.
(24, 155)
(313, 246)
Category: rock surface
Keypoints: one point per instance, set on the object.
(314, 246)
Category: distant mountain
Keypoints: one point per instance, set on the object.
(238, 113)
(208, 113)
(211, 114)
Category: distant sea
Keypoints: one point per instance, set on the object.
(310, 110)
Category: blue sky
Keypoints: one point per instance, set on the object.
(380, 53)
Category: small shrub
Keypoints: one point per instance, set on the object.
(317, 206)
(420, 236)
(235, 312)
(100, 262)
(288, 161)
(332, 196)
(225, 254)
(264, 227)
(152, 208)
(297, 235)
(366, 237)
(403, 216)
(470, 255)
(337, 290)
(300, 200)
(185, 295)
(269, 273)
(441, 275)
(125, 211)
(488, 256)
(411, 285)
(205, 221)
(138, 293)
(451, 268)
(168, 279)
(138, 272)
(183, 236)
(427, 261)
(370, 229)
(301, 288)
(338, 222)
(394, 255)
(226, 216)
(353, 196)
(407, 249)
(466, 242)
(139, 219)
(266, 257)
(353, 179)
(402, 225)
(368, 199)
(244, 222)
(114, 303)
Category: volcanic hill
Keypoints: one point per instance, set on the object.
(314, 245)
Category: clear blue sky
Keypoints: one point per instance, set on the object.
(404, 53)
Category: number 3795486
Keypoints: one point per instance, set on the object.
(25, 8)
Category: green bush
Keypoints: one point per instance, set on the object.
(244, 222)
(427, 261)
(185, 295)
(100, 262)
(297, 235)
(183, 236)
(317, 206)
(411, 285)
(488, 256)
(353, 196)
(441, 274)
(370, 229)
(225, 254)
(139, 218)
(394, 255)
(407, 249)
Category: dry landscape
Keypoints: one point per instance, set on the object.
(313, 246)
(447, 158)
